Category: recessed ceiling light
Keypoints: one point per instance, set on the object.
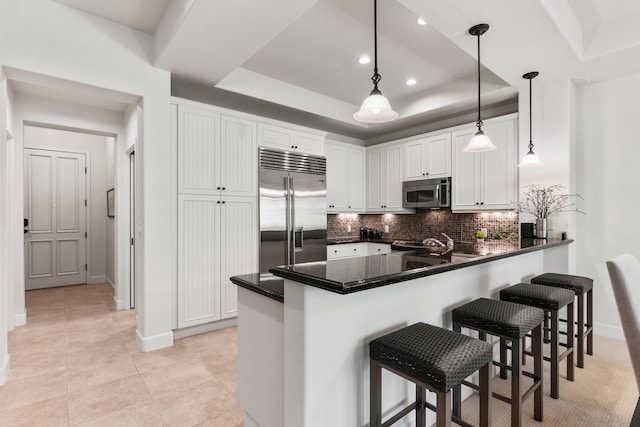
(364, 60)
(421, 21)
(411, 82)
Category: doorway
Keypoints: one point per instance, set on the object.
(55, 218)
(132, 218)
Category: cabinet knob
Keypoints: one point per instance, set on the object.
(477, 203)
(335, 252)
(218, 202)
(355, 249)
(224, 188)
(482, 203)
(349, 207)
(217, 188)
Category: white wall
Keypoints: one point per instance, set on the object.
(607, 174)
(59, 42)
(6, 312)
(96, 147)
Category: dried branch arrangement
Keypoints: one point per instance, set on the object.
(543, 201)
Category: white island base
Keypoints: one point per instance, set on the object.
(305, 363)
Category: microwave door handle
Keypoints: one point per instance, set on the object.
(437, 195)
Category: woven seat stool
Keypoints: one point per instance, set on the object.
(434, 359)
(551, 300)
(582, 287)
(511, 322)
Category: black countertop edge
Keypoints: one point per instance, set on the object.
(361, 285)
(272, 287)
(345, 240)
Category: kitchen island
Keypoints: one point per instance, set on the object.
(303, 356)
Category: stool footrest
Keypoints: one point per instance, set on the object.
(397, 417)
(454, 418)
(536, 383)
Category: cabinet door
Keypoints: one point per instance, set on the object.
(274, 137)
(337, 175)
(437, 156)
(238, 157)
(198, 151)
(238, 237)
(414, 160)
(355, 180)
(465, 185)
(499, 167)
(375, 172)
(198, 260)
(394, 177)
(308, 143)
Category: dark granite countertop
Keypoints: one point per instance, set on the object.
(348, 275)
(356, 239)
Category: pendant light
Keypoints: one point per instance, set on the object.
(530, 159)
(376, 108)
(480, 141)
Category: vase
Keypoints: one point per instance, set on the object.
(541, 228)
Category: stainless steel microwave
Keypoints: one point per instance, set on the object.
(427, 193)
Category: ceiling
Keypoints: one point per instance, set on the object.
(298, 59)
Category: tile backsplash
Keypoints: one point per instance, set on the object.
(461, 227)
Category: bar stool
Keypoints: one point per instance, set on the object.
(511, 322)
(432, 358)
(581, 286)
(551, 300)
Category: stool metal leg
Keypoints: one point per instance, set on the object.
(485, 395)
(421, 413)
(555, 354)
(443, 409)
(516, 383)
(570, 333)
(375, 394)
(580, 334)
(536, 347)
(590, 322)
(457, 390)
(503, 358)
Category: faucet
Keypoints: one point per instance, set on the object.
(449, 241)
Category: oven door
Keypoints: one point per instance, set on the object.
(418, 194)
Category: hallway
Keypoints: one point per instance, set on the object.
(76, 362)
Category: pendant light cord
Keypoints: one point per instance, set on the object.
(530, 116)
(376, 76)
(479, 122)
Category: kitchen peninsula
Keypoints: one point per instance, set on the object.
(304, 361)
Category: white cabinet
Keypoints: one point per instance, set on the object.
(428, 157)
(378, 248)
(217, 239)
(216, 153)
(289, 140)
(346, 250)
(487, 180)
(385, 173)
(345, 178)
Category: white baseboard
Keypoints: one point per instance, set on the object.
(96, 279)
(207, 327)
(155, 342)
(608, 331)
(119, 303)
(4, 369)
(21, 318)
(113, 285)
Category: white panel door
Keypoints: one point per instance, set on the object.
(337, 178)
(238, 160)
(465, 191)
(375, 171)
(414, 160)
(437, 156)
(356, 180)
(239, 242)
(394, 175)
(499, 165)
(198, 150)
(198, 259)
(55, 199)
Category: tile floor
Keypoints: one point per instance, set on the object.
(76, 363)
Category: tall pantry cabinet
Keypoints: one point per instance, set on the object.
(216, 210)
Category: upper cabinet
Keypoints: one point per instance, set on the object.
(385, 173)
(216, 153)
(428, 157)
(290, 140)
(345, 178)
(487, 180)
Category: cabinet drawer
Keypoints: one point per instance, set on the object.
(378, 248)
(346, 250)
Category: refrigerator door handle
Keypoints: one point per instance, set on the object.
(292, 225)
(298, 239)
(289, 213)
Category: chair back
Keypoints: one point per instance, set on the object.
(624, 271)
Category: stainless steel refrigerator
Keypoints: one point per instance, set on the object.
(293, 208)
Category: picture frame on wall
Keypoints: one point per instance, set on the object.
(111, 209)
